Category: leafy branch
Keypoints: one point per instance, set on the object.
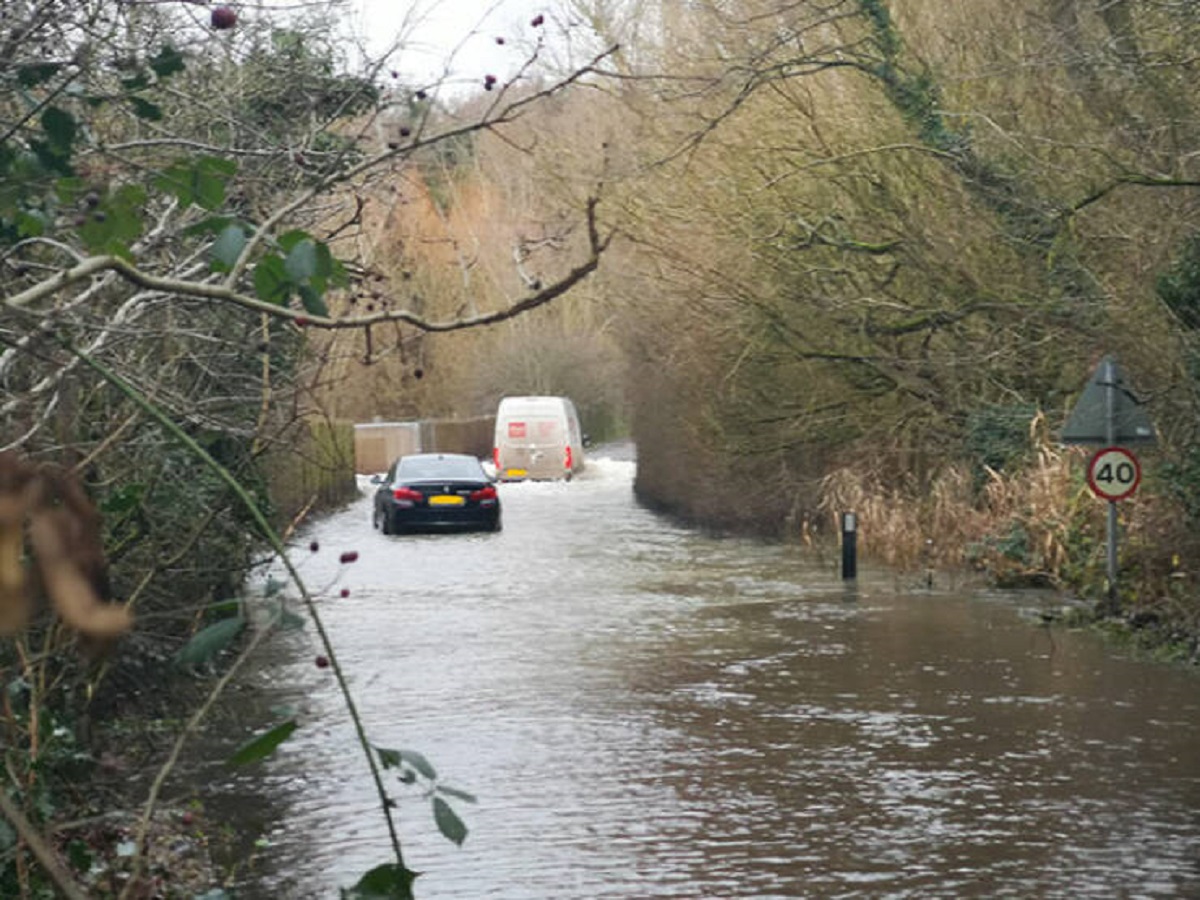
(272, 537)
(283, 281)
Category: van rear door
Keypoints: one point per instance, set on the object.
(531, 445)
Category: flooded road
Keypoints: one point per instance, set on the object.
(643, 711)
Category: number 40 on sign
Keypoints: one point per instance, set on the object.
(1114, 473)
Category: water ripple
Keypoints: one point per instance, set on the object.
(645, 712)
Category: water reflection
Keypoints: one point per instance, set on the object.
(647, 712)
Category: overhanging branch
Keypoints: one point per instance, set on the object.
(221, 293)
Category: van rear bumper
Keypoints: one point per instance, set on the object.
(533, 473)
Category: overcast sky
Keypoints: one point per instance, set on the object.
(432, 31)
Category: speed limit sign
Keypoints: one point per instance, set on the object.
(1114, 473)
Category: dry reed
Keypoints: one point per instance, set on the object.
(951, 521)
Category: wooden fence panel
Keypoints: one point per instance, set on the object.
(377, 444)
(314, 470)
(473, 436)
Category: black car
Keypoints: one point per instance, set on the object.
(435, 492)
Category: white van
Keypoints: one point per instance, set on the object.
(537, 438)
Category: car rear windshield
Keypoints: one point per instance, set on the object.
(439, 467)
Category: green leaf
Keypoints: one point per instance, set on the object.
(395, 759)
(213, 225)
(106, 237)
(49, 159)
(228, 248)
(390, 881)
(301, 262)
(263, 745)
(338, 276)
(327, 268)
(116, 248)
(70, 190)
(129, 197)
(448, 822)
(144, 109)
(167, 61)
(60, 127)
(116, 222)
(456, 793)
(79, 855)
(271, 282)
(290, 239)
(389, 759)
(31, 223)
(312, 300)
(201, 181)
(226, 168)
(37, 73)
(325, 261)
(210, 641)
(326, 264)
(420, 763)
(177, 180)
(213, 177)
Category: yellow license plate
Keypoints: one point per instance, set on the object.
(516, 473)
(446, 500)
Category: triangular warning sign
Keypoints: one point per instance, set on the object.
(1108, 412)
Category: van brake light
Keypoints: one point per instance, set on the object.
(567, 460)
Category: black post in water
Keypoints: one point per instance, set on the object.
(849, 545)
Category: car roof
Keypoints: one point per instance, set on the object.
(438, 466)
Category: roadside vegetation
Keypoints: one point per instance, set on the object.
(867, 257)
(812, 258)
(871, 253)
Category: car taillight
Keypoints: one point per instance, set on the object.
(406, 495)
(487, 493)
(567, 460)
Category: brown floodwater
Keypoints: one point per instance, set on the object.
(645, 711)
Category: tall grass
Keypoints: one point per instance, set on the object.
(1018, 527)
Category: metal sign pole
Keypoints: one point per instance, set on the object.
(1110, 415)
(1110, 434)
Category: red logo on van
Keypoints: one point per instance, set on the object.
(516, 429)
